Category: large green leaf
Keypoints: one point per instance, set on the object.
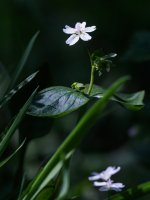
(6, 136)
(56, 101)
(132, 101)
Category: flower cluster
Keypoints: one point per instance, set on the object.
(78, 32)
(106, 183)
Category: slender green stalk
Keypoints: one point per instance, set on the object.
(75, 137)
(91, 80)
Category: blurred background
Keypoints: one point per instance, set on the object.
(121, 137)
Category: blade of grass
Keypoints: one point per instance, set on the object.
(65, 183)
(10, 131)
(21, 187)
(23, 60)
(12, 92)
(2, 163)
(74, 139)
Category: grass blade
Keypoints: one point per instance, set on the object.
(8, 96)
(2, 163)
(23, 60)
(10, 131)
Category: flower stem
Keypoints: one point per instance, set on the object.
(91, 80)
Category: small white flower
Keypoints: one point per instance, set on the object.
(109, 185)
(80, 31)
(104, 175)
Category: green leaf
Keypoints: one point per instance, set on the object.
(45, 183)
(132, 101)
(6, 136)
(8, 96)
(23, 61)
(21, 187)
(47, 192)
(2, 163)
(96, 91)
(139, 48)
(65, 183)
(56, 101)
(133, 193)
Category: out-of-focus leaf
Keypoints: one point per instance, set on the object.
(8, 96)
(65, 183)
(44, 186)
(132, 101)
(139, 48)
(96, 90)
(23, 61)
(56, 101)
(47, 192)
(2, 163)
(6, 136)
(133, 193)
(21, 186)
(4, 80)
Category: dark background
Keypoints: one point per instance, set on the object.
(120, 138)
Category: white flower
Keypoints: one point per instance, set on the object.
(80, 31)
(109, 185)
(104, 175)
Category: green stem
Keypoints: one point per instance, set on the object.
(91, 80)
(75, 137)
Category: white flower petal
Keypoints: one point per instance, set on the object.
(78, 26)
(95, 177)
(104, 175)
(72, 39)
(96, 183)
(85, 36)
(83, 25)
(112, 170)
(117, 185)
(90, 29)
(104, 189)
(69, 30)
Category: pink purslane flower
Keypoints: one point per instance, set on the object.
(106, 182)
(109, 185)
(79, 32)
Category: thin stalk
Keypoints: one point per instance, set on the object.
(75, 137)
(91, 80)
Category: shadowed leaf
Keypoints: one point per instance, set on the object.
(56, 101)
